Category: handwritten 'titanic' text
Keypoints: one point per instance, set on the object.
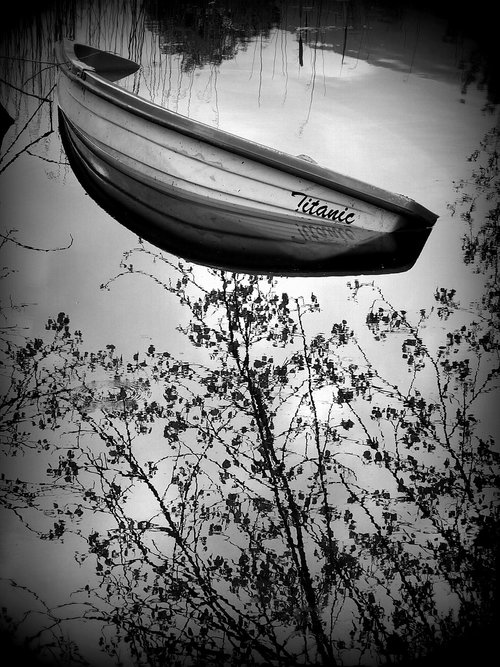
(315, 207)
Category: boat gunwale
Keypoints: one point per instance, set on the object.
(80, 73)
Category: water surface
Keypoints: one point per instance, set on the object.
(399, 96)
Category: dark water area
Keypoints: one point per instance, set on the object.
(205, 467)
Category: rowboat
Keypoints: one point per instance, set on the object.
(216, 198)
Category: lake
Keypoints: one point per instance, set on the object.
(394, 375)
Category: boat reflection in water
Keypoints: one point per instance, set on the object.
(215, 198)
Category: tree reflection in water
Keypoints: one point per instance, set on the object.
(281, 496)
(283, 501)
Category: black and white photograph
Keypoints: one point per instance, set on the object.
(249, 333)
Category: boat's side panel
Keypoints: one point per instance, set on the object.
(66, 53)
(194, 167)
(216, 216)
(185, 226)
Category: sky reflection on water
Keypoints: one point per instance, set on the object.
(384, 101)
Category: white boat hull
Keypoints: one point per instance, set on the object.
(187, 181)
